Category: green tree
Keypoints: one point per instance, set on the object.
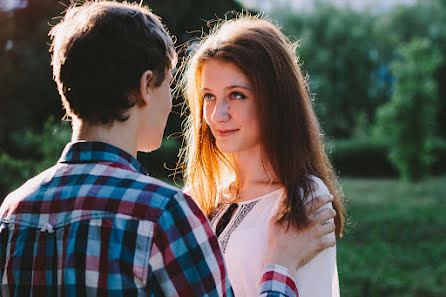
(336, 50)
(28, 95)
(408, 119)
(348, 53)
(426, 19)
(38, 151)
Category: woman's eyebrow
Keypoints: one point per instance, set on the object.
(238, 86)
(230, 87)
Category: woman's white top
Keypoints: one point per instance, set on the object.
(244, 241)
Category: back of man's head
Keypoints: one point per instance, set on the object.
(100, 50)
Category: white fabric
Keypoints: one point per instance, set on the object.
(246, 247)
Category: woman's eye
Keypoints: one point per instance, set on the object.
(237, 95)
(208, 97)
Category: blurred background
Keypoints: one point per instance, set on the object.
(377, 71)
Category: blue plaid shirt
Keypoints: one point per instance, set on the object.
(96, 224)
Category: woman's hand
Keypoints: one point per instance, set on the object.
(294, 247)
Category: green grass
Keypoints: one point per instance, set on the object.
(394, 243)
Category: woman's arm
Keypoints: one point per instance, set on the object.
(293, 248)
(319, 277)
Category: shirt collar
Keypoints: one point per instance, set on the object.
(94, 151)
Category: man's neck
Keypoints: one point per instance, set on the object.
(119, 134)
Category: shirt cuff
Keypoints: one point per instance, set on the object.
(278, 279)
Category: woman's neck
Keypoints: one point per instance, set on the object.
(255, 175)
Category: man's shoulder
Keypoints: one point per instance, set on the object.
(142, 188)
(153, 184)
(29, 189)
(81, 189)
(168, 198)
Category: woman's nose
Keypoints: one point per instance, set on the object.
(221, 111)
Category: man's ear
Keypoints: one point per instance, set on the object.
(145, 87)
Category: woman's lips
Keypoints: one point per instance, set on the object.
(223, 133)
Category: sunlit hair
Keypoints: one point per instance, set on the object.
(290, 132)
(100, 50)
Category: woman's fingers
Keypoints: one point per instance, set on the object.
(326, 228)
(292, 246)
(317, 202)
(326, 242)
(322, 216)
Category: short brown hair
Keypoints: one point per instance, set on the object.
(290, 132)
(100, 50)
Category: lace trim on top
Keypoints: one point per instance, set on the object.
(243, 212)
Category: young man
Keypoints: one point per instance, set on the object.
(95, 224)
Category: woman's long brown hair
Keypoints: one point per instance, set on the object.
(290, 132)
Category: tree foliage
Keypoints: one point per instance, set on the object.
(348, 54)
(408, 119)
(37, 151)
(27, 94)
(426, 20)
(336, 51)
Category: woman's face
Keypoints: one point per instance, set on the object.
(229, 107)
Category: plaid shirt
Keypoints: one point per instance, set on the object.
(96, 224)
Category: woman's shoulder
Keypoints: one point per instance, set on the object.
(317, 188)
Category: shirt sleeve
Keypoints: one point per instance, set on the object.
(277, 281)
(185, 256)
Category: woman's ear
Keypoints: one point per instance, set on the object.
(145, 87)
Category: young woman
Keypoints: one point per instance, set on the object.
(254, 149)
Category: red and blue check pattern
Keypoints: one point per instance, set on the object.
(96, 224)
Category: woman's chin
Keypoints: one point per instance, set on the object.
(227, 148)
